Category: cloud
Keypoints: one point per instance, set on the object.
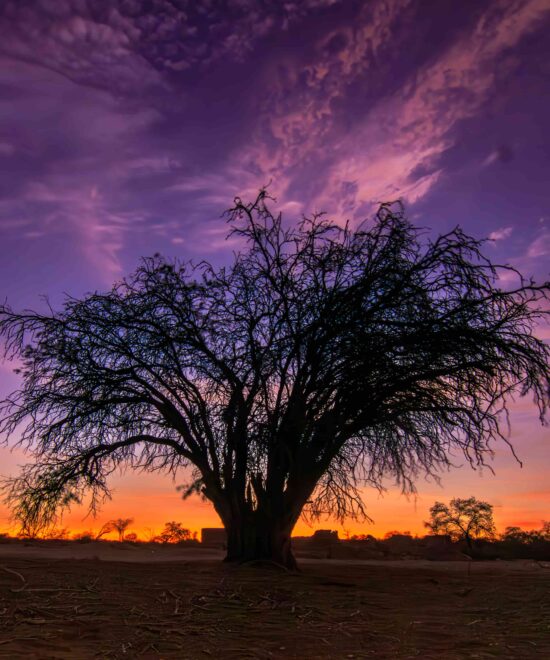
(531, 262)
(502, 154)
(501, 234)
(414, 127)
(391, 145)
(98, 231)
(110, 146)
(70, 42)
(129, 46)
(73, 154)
(540, 247)
(130, 128)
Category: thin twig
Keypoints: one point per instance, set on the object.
(10, 570)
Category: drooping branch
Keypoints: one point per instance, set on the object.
(55, 481)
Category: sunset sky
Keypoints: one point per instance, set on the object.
(128, 126)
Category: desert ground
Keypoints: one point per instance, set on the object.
(110, 600)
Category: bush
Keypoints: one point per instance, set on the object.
(538, 549)
(189, 543)
(173, 532)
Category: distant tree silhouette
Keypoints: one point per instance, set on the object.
(513, 533)
(388, 535)
(105, 529)
(323, 359)
(363, 537)
(33, 529)
(120, 525)
(465, 519)
(519, 535)
(173, 532)
(56, 534)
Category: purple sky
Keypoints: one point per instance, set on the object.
(127, 127)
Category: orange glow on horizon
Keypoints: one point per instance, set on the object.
(390, 512)
(520, 495)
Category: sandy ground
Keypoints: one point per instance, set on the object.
(105, 551)
(80, 601)
(126, 552)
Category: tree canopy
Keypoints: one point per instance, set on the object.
(462, 519)
(173, 532)
(516, 534)
(323, 358)
(120, 525)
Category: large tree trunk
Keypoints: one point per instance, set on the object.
(257, 537)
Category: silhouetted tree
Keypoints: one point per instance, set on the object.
(56, 534)
(465, 519)
(363, 537)
(388, 535)
(516, 534)
(120, 525)
(322, 359)
(33, 529)
(519, 535)
(106, 528)
(173, 532)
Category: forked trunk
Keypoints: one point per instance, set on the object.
(256, 538)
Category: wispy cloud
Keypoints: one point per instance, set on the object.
(502, 154)
(307, 140)
(501, 234)
(540, 247)
(134, 45)
(131, 129)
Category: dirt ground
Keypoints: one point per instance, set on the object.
(186, 604)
